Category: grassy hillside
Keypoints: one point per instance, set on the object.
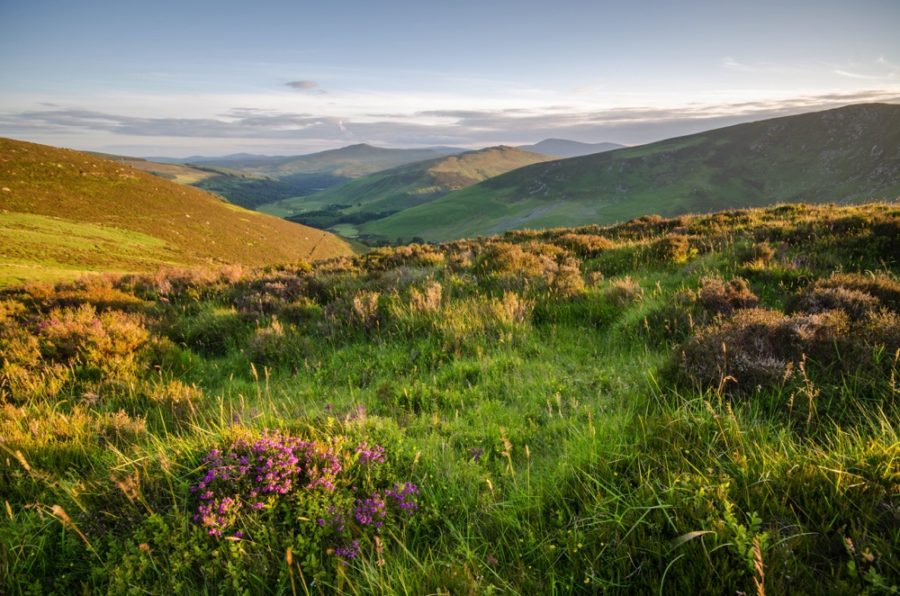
(845, 155)
(65, 212)
(389, 191)
(701, 405)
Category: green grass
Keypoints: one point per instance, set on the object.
(36, 247)
(839, 156)
(525, 383)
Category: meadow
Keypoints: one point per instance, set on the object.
(702, 404)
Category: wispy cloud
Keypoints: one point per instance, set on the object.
(856, 75)
(302, 85)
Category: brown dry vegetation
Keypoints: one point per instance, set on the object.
(177, 225)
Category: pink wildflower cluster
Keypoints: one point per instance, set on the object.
(253, 474)
(374, 454)
(278, 468)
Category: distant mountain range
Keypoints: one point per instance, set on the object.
(566, 148)
(63, 212)
(844, 155)
(393, 190)
(253, 180)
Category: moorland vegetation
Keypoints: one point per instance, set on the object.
(702, 404)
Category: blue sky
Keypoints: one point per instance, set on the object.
(166, 78)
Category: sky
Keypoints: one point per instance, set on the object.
(288, 77)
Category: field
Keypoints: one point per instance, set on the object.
(705, 404)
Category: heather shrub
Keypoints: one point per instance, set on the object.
(567, 281)
(718, 296)
(624, 292)
(505, 260)
(758, 253)
(759, 348)
(267, 295)
(426, 300)
(412, 255)
(818, 299)
(325, 501)
(585, 245)
(881, 286)
(100, 291)
(672, 248)
(104, 345)
(825, 355)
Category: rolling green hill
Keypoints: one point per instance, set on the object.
(844, 155)
(63, 213)
(389, 191)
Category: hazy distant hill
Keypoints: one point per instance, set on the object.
(64, 212)
(347, 162)
(567, 148)
(843, 155)
(252, 180)
(389, 191)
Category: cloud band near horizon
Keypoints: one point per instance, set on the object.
(298, 131)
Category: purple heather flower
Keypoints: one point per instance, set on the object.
(374, 454)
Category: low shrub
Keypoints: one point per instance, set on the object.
(585, 245)
(758, 348)
(321, 499)
(624, 292)
(820, 298)
(672, 248)
(718, 296)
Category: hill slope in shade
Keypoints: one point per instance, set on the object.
(844, 155)
(399, 188)
(65, 212)
(567, 148)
